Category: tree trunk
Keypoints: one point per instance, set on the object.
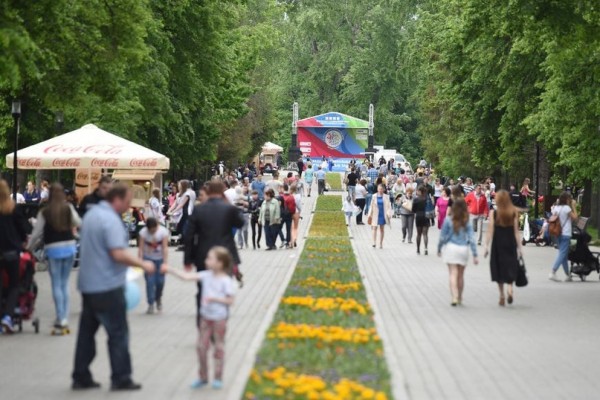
(596, 205)
(586, 202)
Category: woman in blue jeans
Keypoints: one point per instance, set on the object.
(55, 228)
(565, 210)
(154, 246)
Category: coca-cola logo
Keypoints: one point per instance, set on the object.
(83, 177)
(144, 162)
(29, 162)
(108, 149)
(66, 162)
(104, 163)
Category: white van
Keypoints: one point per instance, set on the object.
(403, 163)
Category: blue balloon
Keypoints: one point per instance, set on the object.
(133, 295)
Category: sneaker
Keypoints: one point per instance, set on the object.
(198, 384)
(217, 384)
(158, 305)
(7, 324)
(568, 278)
(150, 309)
(553, 277)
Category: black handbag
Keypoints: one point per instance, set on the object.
(522, 280)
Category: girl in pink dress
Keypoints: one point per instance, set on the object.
(441, 206)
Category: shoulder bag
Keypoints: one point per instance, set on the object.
(522, 280)
(407, 204)
(554, 225)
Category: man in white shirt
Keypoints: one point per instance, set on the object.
(20, 197)
(230, 193)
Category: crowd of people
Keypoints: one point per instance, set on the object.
(231, 213)
(458, 209)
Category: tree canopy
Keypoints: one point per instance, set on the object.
(471, 85)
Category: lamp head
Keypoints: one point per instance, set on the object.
(60, 117)
(16, 108)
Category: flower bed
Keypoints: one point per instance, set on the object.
(322, 343)
(335, 180)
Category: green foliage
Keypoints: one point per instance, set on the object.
(494, 77)
(342, 56)
(176, 76)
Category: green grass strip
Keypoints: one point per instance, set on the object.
(335, 180)
(327, 270)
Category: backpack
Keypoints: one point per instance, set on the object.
(289, 205)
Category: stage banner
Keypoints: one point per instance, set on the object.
(333, 135)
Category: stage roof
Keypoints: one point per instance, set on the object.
(333, 120)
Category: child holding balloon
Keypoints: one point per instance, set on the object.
(217, 295)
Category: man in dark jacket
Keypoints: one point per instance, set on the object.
(96, 196)
(211, 224)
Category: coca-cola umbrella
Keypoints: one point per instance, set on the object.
(88, 147)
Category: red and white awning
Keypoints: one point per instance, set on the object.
(88, 147)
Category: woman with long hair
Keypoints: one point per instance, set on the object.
(525, 190)
(155, 206)
(55, 230)
(421, 220)
(13, 234)
(380, 214)
(296, 216)
(566, 213)
(456, 238)
(503, 234)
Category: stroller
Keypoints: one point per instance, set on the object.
(27, 292)
(539, 235)
(583, 261)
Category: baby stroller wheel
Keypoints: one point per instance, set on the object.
(36, 325)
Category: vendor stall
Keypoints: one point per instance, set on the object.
(92, 151)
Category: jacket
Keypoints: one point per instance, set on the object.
(211, 224)
(477, 206)
(464, 237)
(272, 207)
(13, 231)
(374, 210)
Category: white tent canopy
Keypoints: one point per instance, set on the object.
(268, 146)
(88, 147)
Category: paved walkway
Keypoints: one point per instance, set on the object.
(542, 347)
(162, 346)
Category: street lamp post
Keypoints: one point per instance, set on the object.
(370, 150)
(60, 122)
(537, 180)
(294, 151)
(16, 113)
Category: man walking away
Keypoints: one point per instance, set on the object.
(321, 180)
(478, 208)
(103, 266)
(351, 181)
(211, 224)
